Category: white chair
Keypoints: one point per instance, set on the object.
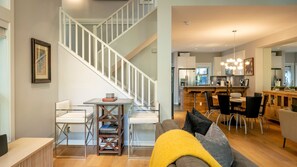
(141, 116)
(67, 114)
(288, 124)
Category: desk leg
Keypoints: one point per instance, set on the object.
(96, 128)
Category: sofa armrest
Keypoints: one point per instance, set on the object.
(288, 123)
(159, 130)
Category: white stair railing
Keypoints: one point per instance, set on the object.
(108, 63)
(124, 19)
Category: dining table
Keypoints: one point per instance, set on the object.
(234, 102)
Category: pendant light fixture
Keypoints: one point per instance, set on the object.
(233, 63)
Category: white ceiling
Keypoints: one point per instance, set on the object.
(210, 28)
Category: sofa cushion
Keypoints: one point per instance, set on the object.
(241, 161)
(195, 124)
(198, 114)
(190, 161)
(169, 125)
(216, 143)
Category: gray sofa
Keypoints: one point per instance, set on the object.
(190, 161)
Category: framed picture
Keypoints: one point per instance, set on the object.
(249, 66)
(41, 61)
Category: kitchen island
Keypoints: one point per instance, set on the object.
(193, 96)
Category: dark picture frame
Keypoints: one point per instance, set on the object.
(249, 66)
(41, 61)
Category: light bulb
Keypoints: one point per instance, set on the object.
(222, 63)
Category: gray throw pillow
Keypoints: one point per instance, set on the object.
(216, 143)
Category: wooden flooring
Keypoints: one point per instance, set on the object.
(265, 150)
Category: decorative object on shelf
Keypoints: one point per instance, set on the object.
(41, 61)
(109, 97)
(246, 82)
(233, 63)
(249, 66)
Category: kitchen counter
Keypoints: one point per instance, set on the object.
(193, 96)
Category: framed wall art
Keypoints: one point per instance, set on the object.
(249, 66)
(41, 61)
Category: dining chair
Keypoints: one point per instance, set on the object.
(225, 109)
(209, 102)
(262, 112)
(257, 94)
(251, 111)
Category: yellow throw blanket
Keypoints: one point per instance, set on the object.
(177, 143)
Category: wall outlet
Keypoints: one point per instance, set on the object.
(200, 103)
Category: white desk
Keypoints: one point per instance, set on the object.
(29, 152)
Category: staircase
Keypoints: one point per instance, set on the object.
(98, 56)
(124, 19)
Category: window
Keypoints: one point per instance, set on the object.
(5, 3)
(201, 76)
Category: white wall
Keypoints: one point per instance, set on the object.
(35, 103)
(78, 83)
(202, 57)
(146, 60)
(91, 9)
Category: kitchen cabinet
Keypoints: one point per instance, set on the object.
(186, 62)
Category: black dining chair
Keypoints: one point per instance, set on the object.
(257, 94)
(225, 109)
(209, 102)
(251, 111)
(262, 112)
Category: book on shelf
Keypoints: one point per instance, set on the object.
(108, 128)
(110, 146)
(110, 139)
(109, 99)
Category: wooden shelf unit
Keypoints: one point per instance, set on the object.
(279, 100)
(105, 114)
(113, 141)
